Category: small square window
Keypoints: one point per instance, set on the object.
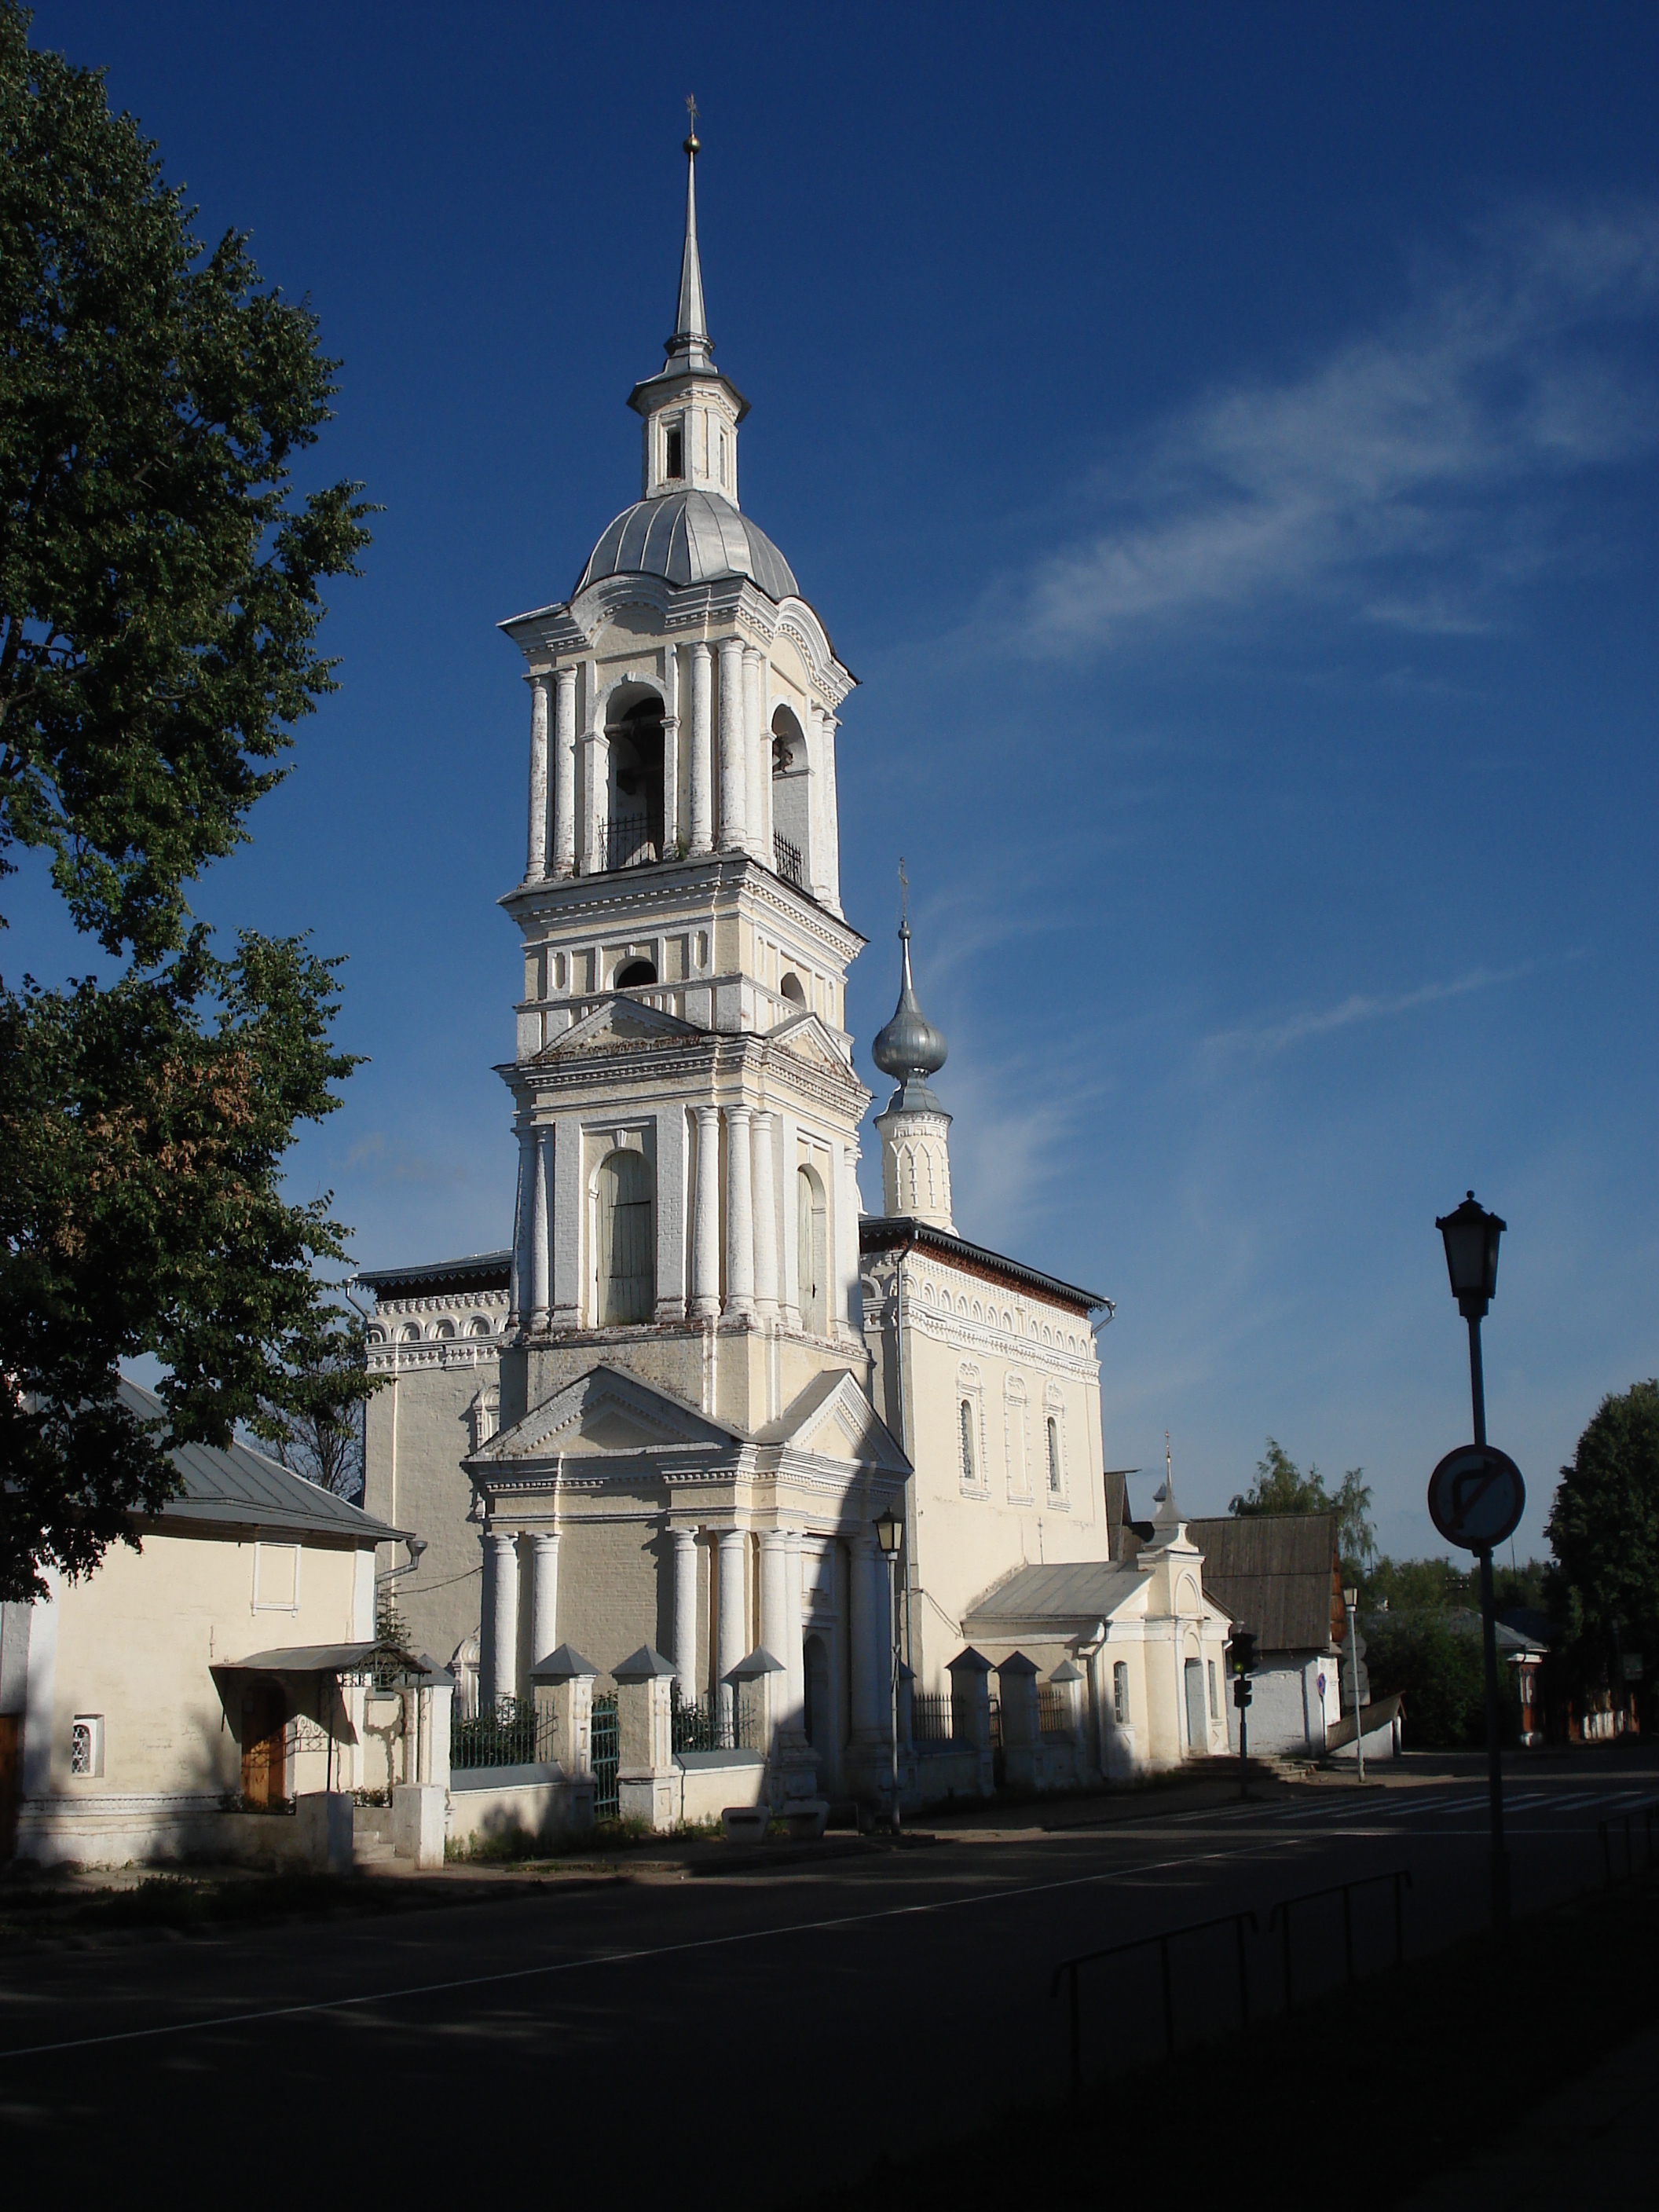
(86, 1745)
(275, 1578)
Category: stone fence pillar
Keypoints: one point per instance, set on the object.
(1022, 1726)
(645, 1767)
(564, 1690)
(970, 1711)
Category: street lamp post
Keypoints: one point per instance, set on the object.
(1471, 1236)
(890, 1532)
(1350, 1600)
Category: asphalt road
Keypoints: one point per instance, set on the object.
(721, 2036)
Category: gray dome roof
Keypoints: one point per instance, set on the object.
(909, 1049)
(690, 537)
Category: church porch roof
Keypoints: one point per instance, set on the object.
(902, 1232)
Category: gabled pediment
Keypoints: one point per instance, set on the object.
(807, 1036)
(833, 1418)
(620, 1024)
(606, 1413)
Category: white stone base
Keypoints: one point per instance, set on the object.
(418, 1817)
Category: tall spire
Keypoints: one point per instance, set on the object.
(691, 340)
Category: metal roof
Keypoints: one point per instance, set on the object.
(689, 537)
(879, 1233)
(479, 1271)
(1274, 1573)
(239, 1488)
(1076, 1594)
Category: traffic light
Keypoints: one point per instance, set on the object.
(1241, 1692)
(1243, 1645)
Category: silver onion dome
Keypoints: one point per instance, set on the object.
(909, 1049)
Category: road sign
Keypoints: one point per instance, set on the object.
(1476, 1497)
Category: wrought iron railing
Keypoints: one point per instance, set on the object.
(933, 1718)
(630, 840)
(1054, 1711)
(787, 861)
(513, 1734)
(696, 1723)
(605, 1745)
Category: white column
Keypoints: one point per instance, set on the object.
(763, 1144)
(544, 1595)
(775, 1622)
(670, 751)
(869, 1611)
(501, 1616)
(535, 866)
(563, 1150)
(739, 1217)
(564, 772)
(733, 779)
(702, 766)
(794, 1663)
(731, 1626)
(685, 1541)
(598, 798)
(672, 1243)
(789, 1261)
(754, 801)
(706, 1218)
(830, 817)
(541, 1230)
(847, 1305)
(524, 1229)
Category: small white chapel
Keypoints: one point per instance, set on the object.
(834, 1481)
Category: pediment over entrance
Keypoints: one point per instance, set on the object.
(833, 1418)
(606, 1413)
(620, 1024)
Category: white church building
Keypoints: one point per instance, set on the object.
(658, 1433)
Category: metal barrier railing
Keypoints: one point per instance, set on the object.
(1280, 1916)
(1623, 1819)
(1236, 1920)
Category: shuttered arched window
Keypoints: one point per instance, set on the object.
(624, 1254)
(812, 1254)
(1054, 1457)
(966, 1440)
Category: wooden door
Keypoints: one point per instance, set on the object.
(264, 1722)
(11, 1779)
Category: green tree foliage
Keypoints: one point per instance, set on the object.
(159, 608)
(1439, 1671)
(1280, 1487)
(1604, 1531)
(1446, 1586)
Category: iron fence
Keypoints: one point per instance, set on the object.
(787, 861)
(514, 1734)
(632, 839)
(935, 1718)
(697, 1724)
(605, 1744)
(1054, 1711)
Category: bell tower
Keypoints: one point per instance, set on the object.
(682, 1087)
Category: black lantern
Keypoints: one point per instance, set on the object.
(1471, 1235)
(888, 1530)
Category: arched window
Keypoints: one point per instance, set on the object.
(634, 974)
(811, 1253)
(1120, 1692)
(633, 828)
(1056, 1484)
(791, 786)
(790, 989)
(624, 1256)
(965, 1442)
(478, 1326)
(412, 1332)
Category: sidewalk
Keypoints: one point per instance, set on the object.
(1590, 2144)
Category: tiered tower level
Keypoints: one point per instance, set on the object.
(683, 1086)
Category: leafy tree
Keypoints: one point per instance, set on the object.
(1280, 1487)
(1604, 1531)
(318, 1433)
(1440, 1674)
(159, 608)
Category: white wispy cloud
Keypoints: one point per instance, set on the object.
(1413, 474)
(1358, 1006)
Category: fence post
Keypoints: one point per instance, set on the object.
(1017, 1687)
(970, 1709)
(645, 1761)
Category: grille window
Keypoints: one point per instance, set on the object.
(1120, 1692)
(965, 1430)
(625, 1261)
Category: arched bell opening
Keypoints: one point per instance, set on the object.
(791, 800)
(635, 811)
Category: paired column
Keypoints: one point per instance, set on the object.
(564, 772)
(535, 866)
(739, 1215)
(735, 817)
(500, 1615)
(831, 817)
(524, 1231)
(544, 1595)
(731, 1625)
(702, 764)
(685, 1542)
(766, 1221)
(774, 1625)
(755, 798)
(794, 1663)
(671, 752)
(596, 811)
(706, 1218)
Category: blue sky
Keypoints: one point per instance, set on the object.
(1223, 443)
